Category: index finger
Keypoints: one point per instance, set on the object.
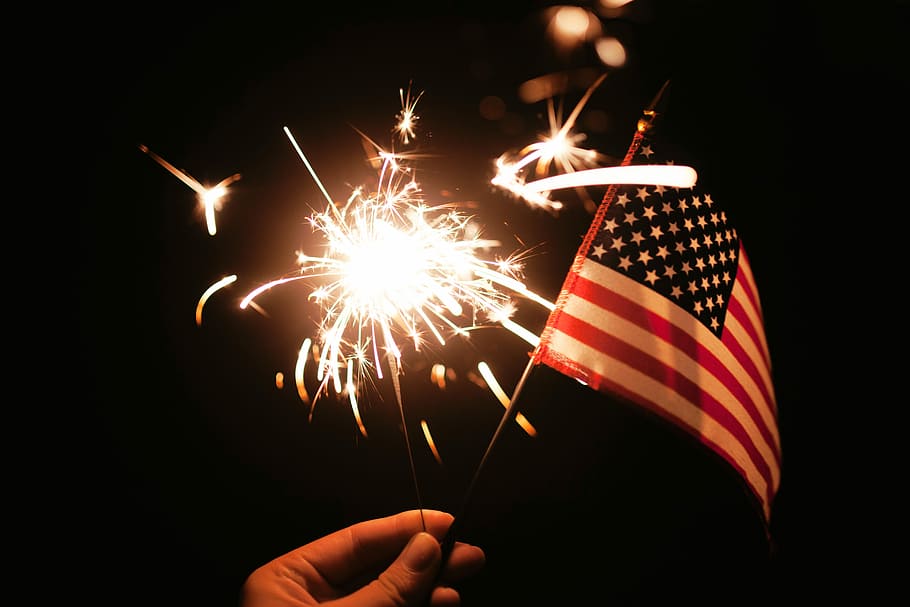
(346, 553)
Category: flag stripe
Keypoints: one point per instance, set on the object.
(749, 293)
(629, 312)
(635, 315)
(659, 316)
(611, 375)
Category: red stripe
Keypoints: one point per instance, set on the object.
(668, 376)
(666, 331)
(608, 386)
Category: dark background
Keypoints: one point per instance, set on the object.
(179, 467)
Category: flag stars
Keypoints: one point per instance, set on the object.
(686, 267)
(712, 260)
(644, 257)
(651, 276)
(598, 251)
(693, 244)
(693, 288)
(714, 324)
(676, 292)
(680, 247)
(715, 219)
(682, 205)
(617, 244)
(700, 264)
(688, 225)
(669, 272)
(650, 213)
(622, 200)
(705, 285)
(673, 227)
(662, 252)
(726, 278)
(707, 241)
(637, 238)
(610, 225)
(625, 263)
(645, 151)
(701, 222)
(629, 218)
(666, 208)
(696, 202)
(656, 232)
(642, 194)
(659, 189)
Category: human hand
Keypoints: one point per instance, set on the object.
(384, 562)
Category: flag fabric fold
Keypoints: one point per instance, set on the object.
(660, 307)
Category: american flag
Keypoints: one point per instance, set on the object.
(660, 307)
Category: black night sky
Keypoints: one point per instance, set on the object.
(183, 467)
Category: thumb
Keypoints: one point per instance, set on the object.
(409, 580)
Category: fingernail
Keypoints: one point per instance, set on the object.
(420, 551)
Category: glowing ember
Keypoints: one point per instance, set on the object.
(210, 198)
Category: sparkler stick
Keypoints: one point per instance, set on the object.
(644, 124)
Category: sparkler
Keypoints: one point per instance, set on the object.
(559, 149)
(210, 198)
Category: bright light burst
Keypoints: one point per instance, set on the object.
(393, 270)
(559, 150)
(407, 119)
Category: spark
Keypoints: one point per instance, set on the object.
(503, 398)
(430, 442)
(559, 150)
(209, 197)
(407, 119)
(208, 293)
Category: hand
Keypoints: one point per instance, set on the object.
(384, 562)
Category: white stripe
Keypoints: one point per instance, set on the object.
(670, 355)
(663, 397)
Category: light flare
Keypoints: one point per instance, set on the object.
(394, 269)
(210, 198)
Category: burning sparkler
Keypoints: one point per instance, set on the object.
(210, 198)
(559, 150)
(396, 268)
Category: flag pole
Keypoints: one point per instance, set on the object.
(448, 541)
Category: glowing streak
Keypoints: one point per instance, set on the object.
(520, 331)
(208, 293)
(352, 396)
(649, 174)
(438, 375)
(300, 368)
(430, 442)
(500, 394)
(210, 198)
